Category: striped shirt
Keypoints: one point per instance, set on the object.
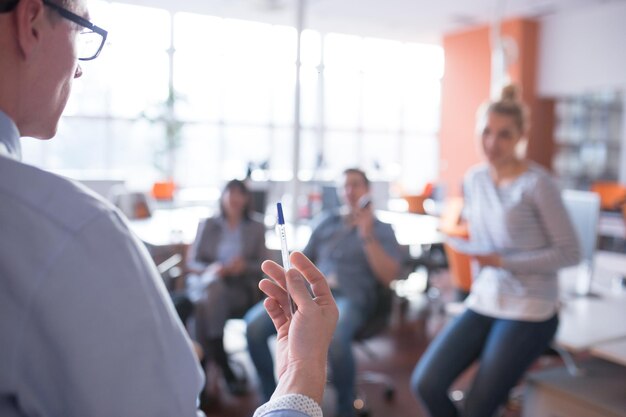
(526, 223)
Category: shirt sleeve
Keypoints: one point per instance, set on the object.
(102, 337)
(290, 405)
(387, 238)
(564, 248)
(319, 225)
(311, 248)
(253, 263)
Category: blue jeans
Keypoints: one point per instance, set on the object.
(341, 360)
(504, 348)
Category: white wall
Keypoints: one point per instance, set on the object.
(585, 51)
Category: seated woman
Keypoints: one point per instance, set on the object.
(520, 236)
(225, 265)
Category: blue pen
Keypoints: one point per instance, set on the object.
(284, 251)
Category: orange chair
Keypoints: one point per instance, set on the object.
(163, 190)
(451, 224)
(460, 270)
(416, 203)
(612, 194)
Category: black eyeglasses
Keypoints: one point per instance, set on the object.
(7, 6)
(90, 40)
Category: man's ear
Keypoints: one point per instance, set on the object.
(30, 16)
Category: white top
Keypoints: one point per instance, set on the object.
(527, 224)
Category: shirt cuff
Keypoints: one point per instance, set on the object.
(296, 402)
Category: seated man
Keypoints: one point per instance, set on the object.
(356, 252)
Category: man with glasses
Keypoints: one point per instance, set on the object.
(86, 326)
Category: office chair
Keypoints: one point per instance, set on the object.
(134, 204)
(459, 265)
(612, 194)
(375, 326)
(583, 208)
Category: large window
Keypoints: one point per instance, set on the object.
(367, 102)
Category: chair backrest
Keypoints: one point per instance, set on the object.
(583, 208)
(381, 316)
(259, 200)
(612, 194)
(134, 204)
(460, 268)
(330, 198)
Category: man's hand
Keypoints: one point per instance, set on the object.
(363, 219)
(302, 339)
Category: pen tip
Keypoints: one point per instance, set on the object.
(281, 218)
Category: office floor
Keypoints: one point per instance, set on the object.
(397, 350)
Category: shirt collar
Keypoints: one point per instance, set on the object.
(9, 138)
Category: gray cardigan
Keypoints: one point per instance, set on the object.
(203, 251)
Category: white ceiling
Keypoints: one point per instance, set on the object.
(409, 20)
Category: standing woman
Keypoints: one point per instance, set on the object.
(520, 236)
(225, 265)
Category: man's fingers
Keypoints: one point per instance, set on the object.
(273, 290)
(319, 285)
(275, 312)
(275, 271)
(297, 288)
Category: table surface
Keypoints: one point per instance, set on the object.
(612, 225)
(170, 226)
(587, 321)
(179, 225)
(599, 389)
(614, 351)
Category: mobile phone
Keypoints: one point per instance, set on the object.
(365, 201)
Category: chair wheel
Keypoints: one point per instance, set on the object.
(390, 394)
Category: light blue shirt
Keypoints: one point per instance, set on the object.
(86, 325)
(338, 251)
(230, 243)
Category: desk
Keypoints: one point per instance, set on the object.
(600, 392)
(593, 324)
(410, 230)
(176, 226)
(413, 229)
(589, 320)
(612, 225)
(170, 226)
(297, 237)
(614, 351)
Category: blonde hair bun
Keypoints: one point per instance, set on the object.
(510, 92)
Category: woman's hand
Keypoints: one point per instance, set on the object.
(237, 266)
(491, 259)
(303, 339)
